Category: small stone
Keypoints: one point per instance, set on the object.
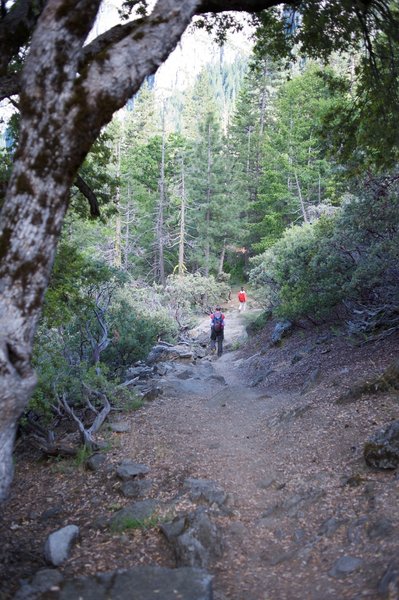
(238, 529)
(59, 543)
(129, 470)
(120, 427)
(136, 487)
(345, 565)
(95, 461)
(51, 513)
(388, 587)
(330, 526)
(137, 512)
(267, 482)
(381, 528)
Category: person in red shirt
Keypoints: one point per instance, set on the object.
(217, 330)
(242, 298)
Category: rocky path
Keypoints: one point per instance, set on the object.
(308, 520)
(301, 517)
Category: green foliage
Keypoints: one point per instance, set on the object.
(206, 182)
(127, 522)
(7, 153)
(82, 455)
(99, 174)
(192, 294)
(348, 260)
(318, 30)
(296, 175)
(133, 334)
(138, 8)
(363, 128)
(257, 324)
(133, 404)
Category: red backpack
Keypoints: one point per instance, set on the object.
(241, 296)
(217, 322)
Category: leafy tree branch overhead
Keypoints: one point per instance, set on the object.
(67, 92)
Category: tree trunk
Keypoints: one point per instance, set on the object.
(208, 205)
(129, 215)
(182, 235)
(117, 261)
(65, 101)
(301, 202)
(222, 257)
(161, 206)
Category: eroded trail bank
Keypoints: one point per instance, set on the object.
(297, 512)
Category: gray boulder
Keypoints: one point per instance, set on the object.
(186, 374)
(282, 329)
(44, 580)
(205, 490)
(162, 369)
(120, 426)
(138, 583)
(381, 451)
(136, 488)
(161, 353)
(345, 565)
(95, 462)
(59, 543)
(194, 538)
(140, 371)
(138, 512)
(129, 469)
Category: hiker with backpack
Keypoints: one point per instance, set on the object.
(242, 298)
(217, 330)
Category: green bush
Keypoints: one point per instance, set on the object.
(259, 323)
(349, 260)
(133, 335)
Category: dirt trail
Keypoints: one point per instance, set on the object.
(227, 443)
(300, 529)
(308, 519)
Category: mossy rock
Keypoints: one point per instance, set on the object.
(381, 451)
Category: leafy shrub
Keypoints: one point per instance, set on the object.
(174, 307)
(350, 260)
(259, 323)
(193, 294)
(133, 335)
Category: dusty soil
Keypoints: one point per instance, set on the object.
(284, 437)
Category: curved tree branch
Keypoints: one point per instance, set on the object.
(89, 195)
(16, 28)
(10, 85)
(216, 6)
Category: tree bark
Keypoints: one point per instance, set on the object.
(208, 204)
(300, 197)
(117, 258)
(161, 207)
(182, 234)
(222, 257)
(62, 113)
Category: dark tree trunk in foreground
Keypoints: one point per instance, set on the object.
(65, 100)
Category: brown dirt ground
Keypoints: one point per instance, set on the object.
(286, 451)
